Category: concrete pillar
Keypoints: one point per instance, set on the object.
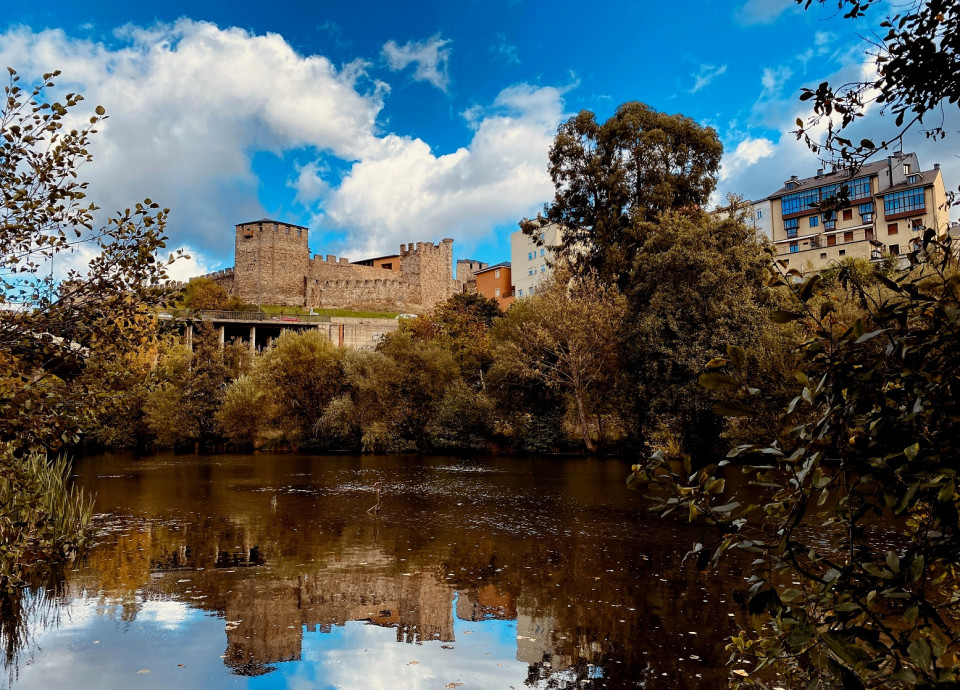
(253, 339)
(340, 335)
(223, 330)
(188, 337)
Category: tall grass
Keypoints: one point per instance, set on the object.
(42, 517)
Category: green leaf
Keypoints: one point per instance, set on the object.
(847, 651)
(782, 316)
(947, 492)
(916, 569)
(910, 615)
(911, 451)
(919, 651)
(736, 355)
(714, 380)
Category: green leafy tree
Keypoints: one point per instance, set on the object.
(700, 286)
(856, 533)
(52, 325)
(613, 179)
(245, 413)
(567, 336)
(424, 371)
(188, 391)
(461, 325)
(204, 293)
(302, 373)
(462, 419)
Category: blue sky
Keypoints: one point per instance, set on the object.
(380, 123)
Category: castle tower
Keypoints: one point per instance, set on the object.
(272, 261)
(429, 270)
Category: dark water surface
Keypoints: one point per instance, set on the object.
(268, 571)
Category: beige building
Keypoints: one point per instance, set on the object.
(530, 261)
(889, 201)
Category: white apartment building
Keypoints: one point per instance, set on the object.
(530, 261)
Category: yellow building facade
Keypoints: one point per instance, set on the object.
(890, 201)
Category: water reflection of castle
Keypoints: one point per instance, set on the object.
(266, 619)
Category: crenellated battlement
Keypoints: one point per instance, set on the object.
(273, 265)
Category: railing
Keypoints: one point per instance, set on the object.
(219, 315)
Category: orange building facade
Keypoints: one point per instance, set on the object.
(494, 282)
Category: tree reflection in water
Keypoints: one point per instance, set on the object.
(591, 591)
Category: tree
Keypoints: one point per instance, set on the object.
(302, 373)
(615, 178)
(461, 325)
(567, 336)
(51, 326)
(204, 293)
(54, 329)
(856, 544)
(917, 60)
(188, 390)
(699, 287)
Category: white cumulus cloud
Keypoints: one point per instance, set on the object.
(188, 105)
(431, 59)
(405, 189)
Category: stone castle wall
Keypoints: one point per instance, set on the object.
(273, 266)
(271, 263)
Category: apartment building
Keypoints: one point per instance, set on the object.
(494, 282)
(890, 200)
(530, 261)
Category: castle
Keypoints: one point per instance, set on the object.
(272, 265)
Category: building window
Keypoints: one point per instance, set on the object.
(794, 247)
(848, 237)
(520, 292)
(917, 223)
(541, 252)
(799, 201)
(791, 225)
(529, 256)
(859, 188)
(848, 214)
(912, 179)
(823, 255)
(904, 202)
(497, 292)
(895, 249)
(892, 229)
(530, 273)
(831, 240)
(814, 221)
(759, 214)
(541, 237)
(829, 225)
(496, 274)
(532, 289)
(843, 252)
(542, 268)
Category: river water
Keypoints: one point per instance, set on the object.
(268, 571)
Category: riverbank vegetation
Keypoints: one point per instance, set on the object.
(64, 338)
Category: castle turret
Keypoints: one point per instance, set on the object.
(272, 260)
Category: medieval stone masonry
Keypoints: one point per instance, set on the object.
(273, 266)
